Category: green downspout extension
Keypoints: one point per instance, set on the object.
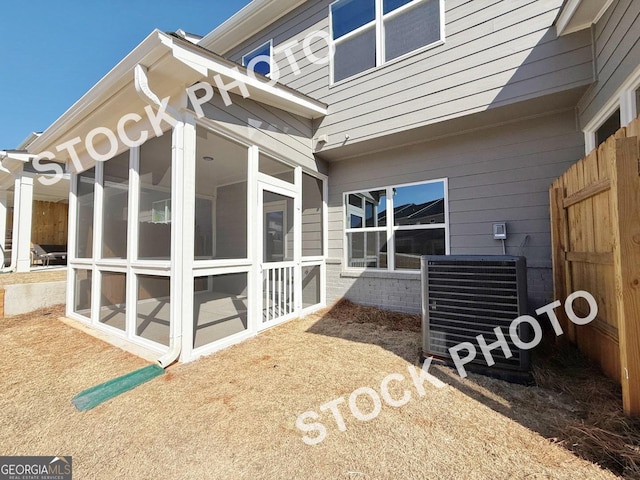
(94, 396)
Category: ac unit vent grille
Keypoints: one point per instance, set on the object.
(466, 296)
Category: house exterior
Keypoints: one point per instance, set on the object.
(30, 210)
(305, 151)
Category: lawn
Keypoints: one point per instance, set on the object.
(233, 414)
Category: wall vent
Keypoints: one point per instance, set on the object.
(466, 296)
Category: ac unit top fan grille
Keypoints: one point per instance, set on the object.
(466, 296)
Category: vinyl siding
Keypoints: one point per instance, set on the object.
(617, 48)
(495, 175)
(275, 131)
(496, 53)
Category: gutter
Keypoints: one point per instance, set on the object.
(141, 82)
(113, 80)
(247, 22)
(3, 169)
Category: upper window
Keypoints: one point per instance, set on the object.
(392, 227)
(260, 59)
(368, 33)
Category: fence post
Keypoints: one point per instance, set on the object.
(559, 232)
(625, 208)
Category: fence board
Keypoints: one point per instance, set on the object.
(625, 185)
(50, 223)
(595, 233)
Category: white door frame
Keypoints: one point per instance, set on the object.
(295, 264)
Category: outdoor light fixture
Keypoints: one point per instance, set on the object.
(207, 158)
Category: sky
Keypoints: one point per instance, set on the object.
(53, 52)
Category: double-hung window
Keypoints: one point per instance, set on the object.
(390, 228)
(369, 33)
(260, 59)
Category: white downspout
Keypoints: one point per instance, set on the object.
(141, 82)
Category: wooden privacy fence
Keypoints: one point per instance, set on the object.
(49, 224)
(595, 231)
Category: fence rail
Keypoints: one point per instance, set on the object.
(595, 233)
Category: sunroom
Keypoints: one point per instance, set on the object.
(210, 230)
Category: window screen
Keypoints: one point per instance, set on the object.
(412, 29)
(354, 55)
(365, 31)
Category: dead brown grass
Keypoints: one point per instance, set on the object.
(347, 312)
(41, 276)
(600, 432)
(232, 415)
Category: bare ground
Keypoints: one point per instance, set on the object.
(233, 415)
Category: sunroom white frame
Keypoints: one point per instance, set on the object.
(183, 268)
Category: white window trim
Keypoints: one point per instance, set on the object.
(378, 24)
(624, 99)
(270, 43)
(391, 228)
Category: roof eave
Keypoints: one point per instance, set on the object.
(196, 59)
(577, 15)
(246, 23)
(260, 88)
(90, 100)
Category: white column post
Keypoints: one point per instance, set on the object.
(3, 220)
(297, 243)
(25, 201)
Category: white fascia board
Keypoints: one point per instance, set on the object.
(23, 157)
(28, 141)
(261, 90)
(154, 47)
(247, 22)
(588, 11)
(110, 83)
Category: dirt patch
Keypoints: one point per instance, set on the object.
(233, 415)
(43, 276)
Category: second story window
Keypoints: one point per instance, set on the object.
(369, 33)
(259, 60)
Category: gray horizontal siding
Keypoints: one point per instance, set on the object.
(274, 130)
(496, 53)
(496, 174)
(617, 46)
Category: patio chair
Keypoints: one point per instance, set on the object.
(39, 255)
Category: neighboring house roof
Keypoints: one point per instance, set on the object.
(173, 64)
(419, 214)
(251, 19)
